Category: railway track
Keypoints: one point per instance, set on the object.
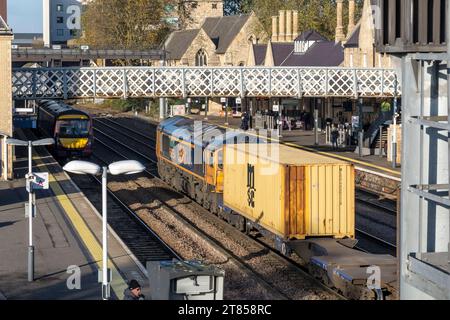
(377, 241)
(381, 246)
(386, 205)
(143, 242)
(274, 257)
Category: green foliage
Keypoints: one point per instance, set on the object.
(125, 105)
(319, 15)
(125, 24)
(385, 106)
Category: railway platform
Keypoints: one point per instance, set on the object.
(373, 173)
(66, 233)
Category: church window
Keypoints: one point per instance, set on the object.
(214, 5)
(201, 59)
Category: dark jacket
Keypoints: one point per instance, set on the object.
(127, 295)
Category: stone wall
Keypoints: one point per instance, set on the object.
(6, 124)
(199, 10)
(5, 85)
(201, 41)
(365, 55)
(238, 51)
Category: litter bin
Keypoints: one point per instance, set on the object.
(184, 280)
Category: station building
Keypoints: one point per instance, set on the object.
(208, 38)
(6, 123)
(355, 49)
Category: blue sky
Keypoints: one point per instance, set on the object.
(25, 15)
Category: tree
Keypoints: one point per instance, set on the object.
(319, 15)
(124, 24)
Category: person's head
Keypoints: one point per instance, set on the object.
(135, 288)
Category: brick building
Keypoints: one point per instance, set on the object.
(4, 10)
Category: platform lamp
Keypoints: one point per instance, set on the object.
(125, 167)
(31, 209)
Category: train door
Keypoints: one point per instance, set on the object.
(210, 171)
(219, 171)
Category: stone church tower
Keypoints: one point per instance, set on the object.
(195, 12)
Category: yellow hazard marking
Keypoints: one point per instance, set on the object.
(118, 283)
(332, 155)
(73, 117)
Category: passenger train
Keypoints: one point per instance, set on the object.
(71, 128)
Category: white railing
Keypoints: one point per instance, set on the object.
(40, 83)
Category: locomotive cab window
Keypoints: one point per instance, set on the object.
(73, 128)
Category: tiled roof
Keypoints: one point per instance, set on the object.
(353, 40)
(223, 30)
(179, 42)
(320, 54)
(310, 35)
(259, 50)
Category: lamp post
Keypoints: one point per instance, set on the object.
(394, 129)
(126, 167)
(29, 184)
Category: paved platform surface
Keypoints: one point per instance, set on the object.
(305, 139)
(66, 232)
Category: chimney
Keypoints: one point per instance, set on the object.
(351, 17)
(339, 26)
(294, 24)
(274, 29)
(289, 25)
(282, 26)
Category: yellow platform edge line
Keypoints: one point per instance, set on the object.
(118, 283)
(318, 152)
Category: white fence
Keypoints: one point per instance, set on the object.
(116, 82)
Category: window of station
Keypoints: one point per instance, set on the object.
(59, 7)
(59, 19)
(201, 58)
(73, 32)
(214, 5)
(60, 32)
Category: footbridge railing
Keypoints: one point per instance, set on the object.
(123, 82)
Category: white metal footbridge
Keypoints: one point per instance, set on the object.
(123, 82)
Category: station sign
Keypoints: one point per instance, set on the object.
(276, 108)
(37, 181)
(178, 110)
(238, 100)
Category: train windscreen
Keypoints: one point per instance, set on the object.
(73, 128)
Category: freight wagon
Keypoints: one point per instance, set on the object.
(304, 201)
(290, 193)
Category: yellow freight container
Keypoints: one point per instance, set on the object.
(292, 193)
